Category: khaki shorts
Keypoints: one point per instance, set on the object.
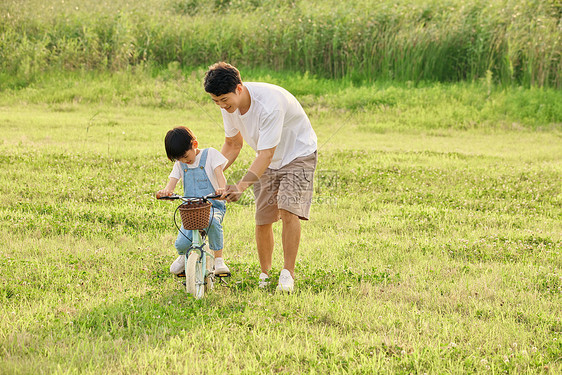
(288, 188)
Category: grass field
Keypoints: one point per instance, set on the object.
(433, 247)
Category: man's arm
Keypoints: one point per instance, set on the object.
(231, 148)
(258, 167)
(256, 170)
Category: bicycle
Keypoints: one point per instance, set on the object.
(195, 213)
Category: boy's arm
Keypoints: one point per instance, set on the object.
(219, 174)
(169, 189)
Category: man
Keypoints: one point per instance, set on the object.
(274, 124)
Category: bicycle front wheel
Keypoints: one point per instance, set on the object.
(194, 275)
(210, 275)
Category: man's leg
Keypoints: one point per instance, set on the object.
(264, 242)
(291, 236)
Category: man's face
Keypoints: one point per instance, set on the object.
(229, 102)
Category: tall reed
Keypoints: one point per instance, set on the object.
(516, 41)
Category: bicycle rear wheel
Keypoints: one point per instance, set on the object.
(194, 275)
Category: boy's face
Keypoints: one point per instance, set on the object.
(230, 101)
(189, 156)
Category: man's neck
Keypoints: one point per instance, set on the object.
(246, 101)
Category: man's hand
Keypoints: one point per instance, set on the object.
(232, 193)
(260, 164)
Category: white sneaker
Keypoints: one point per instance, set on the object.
(221, 269)
(286, 282)
(178, 266)
(264, 280)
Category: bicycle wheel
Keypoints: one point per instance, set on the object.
(194, 276)
(210, 278)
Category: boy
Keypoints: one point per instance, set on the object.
(202, 174)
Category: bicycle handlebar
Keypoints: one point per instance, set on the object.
(175, 196)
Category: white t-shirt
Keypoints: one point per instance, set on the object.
(214, 159)
(275, 118)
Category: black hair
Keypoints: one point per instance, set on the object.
(222, 78)
(178, 141)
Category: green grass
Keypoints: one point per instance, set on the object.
(514, 41)
(433, 246)
(434, 242)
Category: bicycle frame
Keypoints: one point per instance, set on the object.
(198, 243)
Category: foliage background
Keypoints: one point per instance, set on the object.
(515, 41)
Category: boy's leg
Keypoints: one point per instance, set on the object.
(183, 241)
(216, 242)
(182, 244)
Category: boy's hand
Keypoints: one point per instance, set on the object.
(220, 191)
(164, 193)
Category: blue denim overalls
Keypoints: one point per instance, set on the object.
(196, 183)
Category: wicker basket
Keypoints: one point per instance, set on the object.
(195, 215)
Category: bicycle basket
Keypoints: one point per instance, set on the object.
(195, 215)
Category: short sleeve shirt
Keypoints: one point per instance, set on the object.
(275, 119)
(214, 159)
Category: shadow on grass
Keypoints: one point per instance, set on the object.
(176, 311)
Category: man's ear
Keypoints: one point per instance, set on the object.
(239, 88)
(194, 144)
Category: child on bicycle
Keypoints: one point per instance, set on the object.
(202, 174)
